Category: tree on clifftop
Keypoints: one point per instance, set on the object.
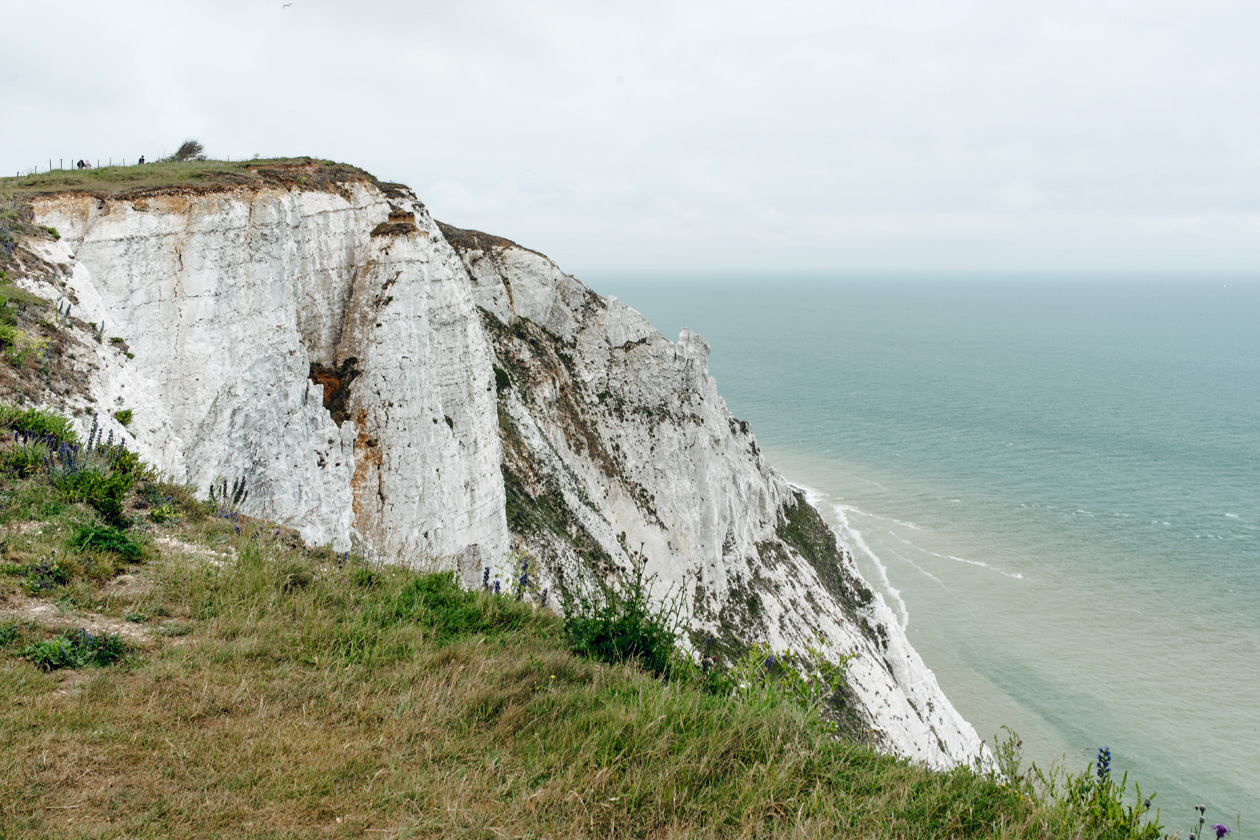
(190, 150)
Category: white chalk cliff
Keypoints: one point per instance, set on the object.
(427, 393)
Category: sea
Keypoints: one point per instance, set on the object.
(1053, 480)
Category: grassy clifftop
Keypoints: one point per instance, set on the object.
(205, 175)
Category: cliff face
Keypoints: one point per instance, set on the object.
(251, 314)
(443, 396)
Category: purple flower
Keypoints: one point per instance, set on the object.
(1221, 830)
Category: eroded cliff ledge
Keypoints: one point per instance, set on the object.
(436, 395)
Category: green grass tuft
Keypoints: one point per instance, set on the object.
(97, 538)
(37, 421)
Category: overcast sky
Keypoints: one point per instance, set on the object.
(952, 134)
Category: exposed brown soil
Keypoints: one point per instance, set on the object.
(400, 223)
(464, 241)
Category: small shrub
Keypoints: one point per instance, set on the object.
(808, 680)
(221, 498)
(105, 491)
(501, 379)
(135, 616)
(52, 231)
(37, 422)
(181, 499)
(43, 575)
(77, 650)
(50, 655)
(123, 416)
(100, 474)
(9, 632)
(622, 625)
(164, 512)
(188, 150)
(24, 459)
(96, 538)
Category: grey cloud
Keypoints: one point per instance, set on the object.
(917, 135)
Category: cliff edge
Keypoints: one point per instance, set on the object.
(438, 396)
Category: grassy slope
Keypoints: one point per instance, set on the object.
(275, 691)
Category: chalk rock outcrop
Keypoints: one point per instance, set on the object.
(439, 395)
(322, 344)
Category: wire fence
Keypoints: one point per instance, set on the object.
(56, 164)
(72, 164)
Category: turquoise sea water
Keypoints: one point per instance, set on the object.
(1054, 480)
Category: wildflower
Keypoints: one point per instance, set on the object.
(496, 586)
(1221, 830)
(485, 579)
(1104, 763)
(544, 596)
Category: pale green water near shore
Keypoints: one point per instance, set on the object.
(1055, 481)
